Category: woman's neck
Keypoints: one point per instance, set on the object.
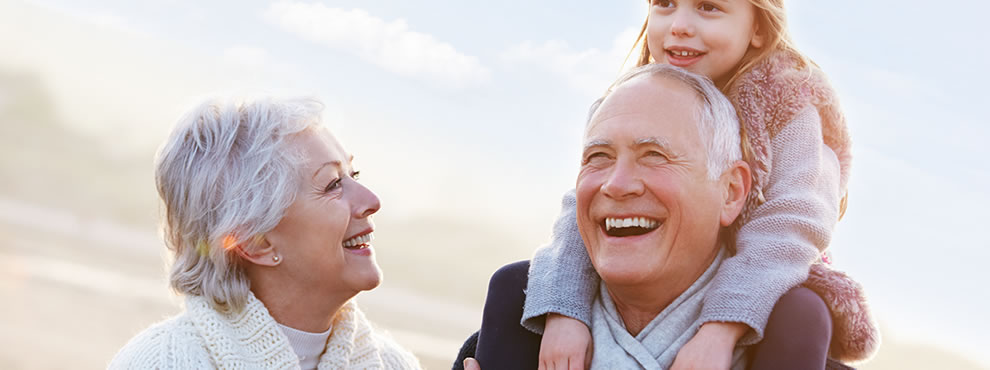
(299, 308)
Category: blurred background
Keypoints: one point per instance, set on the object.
(466, 119)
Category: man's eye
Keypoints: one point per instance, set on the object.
(656, 155)
(596, 157)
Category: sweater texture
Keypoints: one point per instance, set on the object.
(800, 161)
(202, 338)
(656, 346)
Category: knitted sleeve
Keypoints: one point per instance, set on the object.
(561, 278)
(785, 234)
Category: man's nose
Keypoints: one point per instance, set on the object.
(623, 182)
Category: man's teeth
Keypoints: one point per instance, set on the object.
(685, 53)
(357, 240)
(615, 223)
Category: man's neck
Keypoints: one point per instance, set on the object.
(639, 304)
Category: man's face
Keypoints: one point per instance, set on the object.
(646, 209)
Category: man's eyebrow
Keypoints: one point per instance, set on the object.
(658, 141)
(663, 143)
(596, 142)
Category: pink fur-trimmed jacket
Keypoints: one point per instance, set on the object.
(767, 99)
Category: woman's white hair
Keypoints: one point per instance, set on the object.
(718, 124)
(226, 175)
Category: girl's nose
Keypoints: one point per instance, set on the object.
(682, 24)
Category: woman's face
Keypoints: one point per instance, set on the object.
(324, 237)
(708, 37)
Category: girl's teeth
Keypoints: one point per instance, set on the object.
(358, 240)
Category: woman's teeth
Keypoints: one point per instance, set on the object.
(642, 222)
(358, 240)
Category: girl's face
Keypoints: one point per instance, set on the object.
(708, 37)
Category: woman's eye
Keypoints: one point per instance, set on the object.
(663, 3)
(356, 175)
(333, 185)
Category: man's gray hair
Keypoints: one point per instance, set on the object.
(718, 124)
(226, 176)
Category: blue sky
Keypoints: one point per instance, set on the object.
(450, 99)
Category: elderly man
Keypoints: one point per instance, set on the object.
(661, 176)
(661, 180)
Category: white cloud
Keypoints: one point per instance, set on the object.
(590, 70)
(390, 45)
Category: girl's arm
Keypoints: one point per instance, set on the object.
(784, 235)
(561, 277)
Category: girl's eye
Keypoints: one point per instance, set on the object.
(356, 175)
(663, 3)
(708, 7)
(333, 185)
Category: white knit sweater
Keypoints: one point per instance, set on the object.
(203, 338)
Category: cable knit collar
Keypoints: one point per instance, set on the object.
(251, 339)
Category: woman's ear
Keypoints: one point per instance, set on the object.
(736, 181)
(259, 252)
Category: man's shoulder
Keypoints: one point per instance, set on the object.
(164, 345)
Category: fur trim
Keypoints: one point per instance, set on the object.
(855, 334)
(768, 97)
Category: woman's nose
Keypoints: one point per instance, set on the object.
(367, 202)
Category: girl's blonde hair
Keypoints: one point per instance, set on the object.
(772, 22)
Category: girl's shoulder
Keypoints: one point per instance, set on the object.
(772, 94)
(776, 89)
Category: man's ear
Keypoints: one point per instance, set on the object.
(259, 252)
(736, 181)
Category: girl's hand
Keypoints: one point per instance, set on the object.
(566, 344)
(471, 364)
(711, 347)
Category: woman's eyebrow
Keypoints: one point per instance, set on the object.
(325, 165)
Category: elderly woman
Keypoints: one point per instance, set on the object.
(270, 232)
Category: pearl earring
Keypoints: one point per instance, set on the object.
(276, 258)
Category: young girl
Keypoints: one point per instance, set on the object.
(743, 46)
